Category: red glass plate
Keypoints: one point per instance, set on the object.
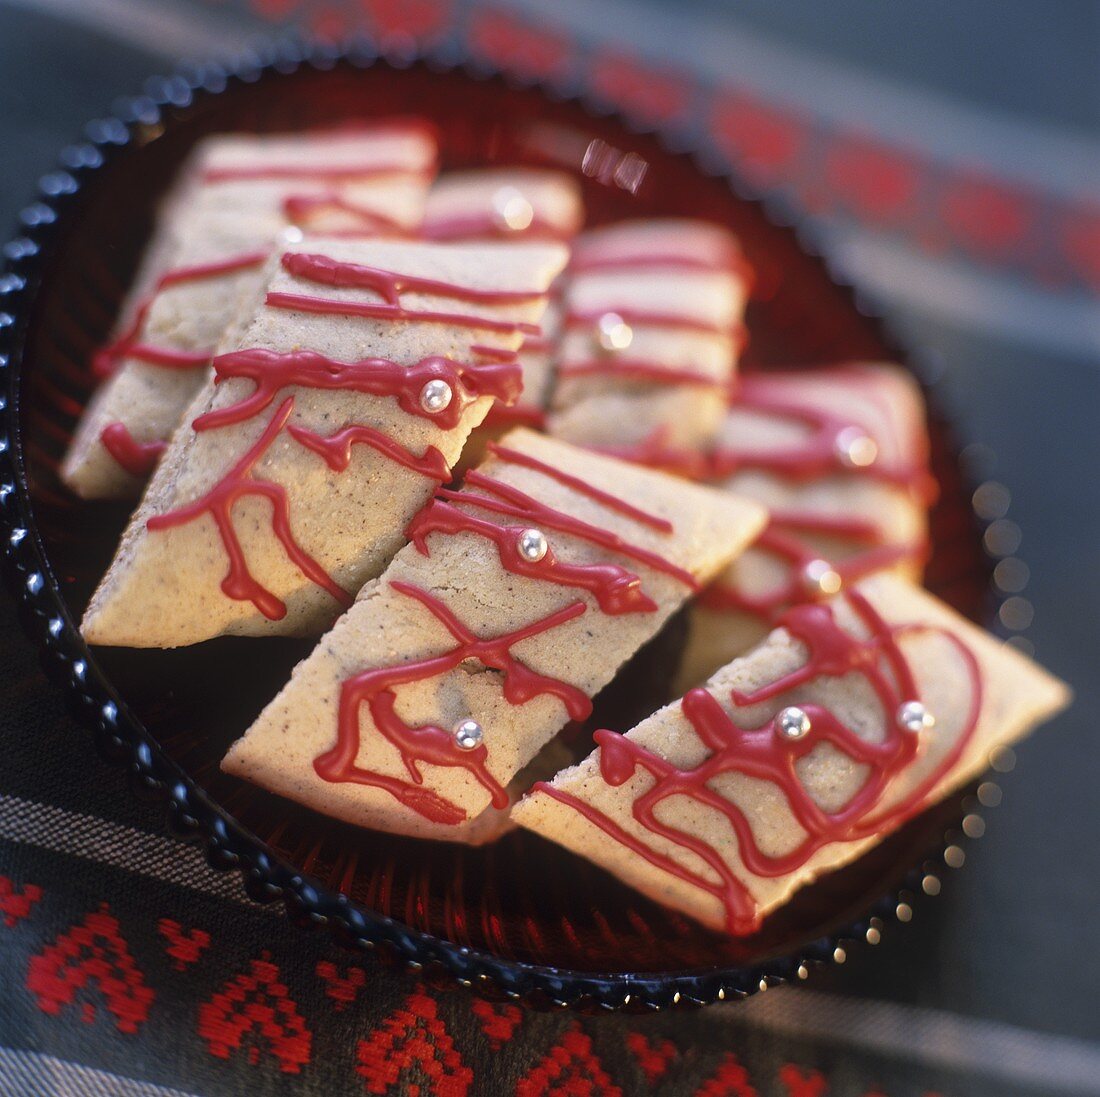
(521, 917)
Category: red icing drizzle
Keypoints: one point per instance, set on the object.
(589, 256)
(575, 483)
(128, 344)
(493, 354)
(137, 458)
(270, 374)
(615, 589)
(389, 286)
(431, 744)
(238, 483)
(813, 458)
(761, 753)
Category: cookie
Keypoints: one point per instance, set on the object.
(345, 402)
(795, 759)
(652, 328)
(516, 601)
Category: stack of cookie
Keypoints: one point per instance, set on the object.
(320, 336)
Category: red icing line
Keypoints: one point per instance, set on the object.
(389, 285)
(615, 589)
(336, 450)
(431, 744)
(127, 345)
(238, 483)
(588, 258)
(639, 369)
(493, 354)
(505, 499)
(137, 458)
(604, 498)
(761, 753)
(271, 372)
(297, 302)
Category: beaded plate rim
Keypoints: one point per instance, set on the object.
(189, 812)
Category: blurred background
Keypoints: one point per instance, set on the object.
(946, 157)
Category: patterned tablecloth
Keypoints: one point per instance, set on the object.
(945, 158)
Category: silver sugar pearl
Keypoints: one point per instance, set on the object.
(792, 723)
(468, 734)
(532, 545)
(436, 395)
(914, 717)
(511, 210)
(822, 578)
(856, 449)
(613, 332)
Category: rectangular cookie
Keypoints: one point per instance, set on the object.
(517, 600)
(798, 757)
(652, 330)
(342, 404)
(236, 195)
(839, 456)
